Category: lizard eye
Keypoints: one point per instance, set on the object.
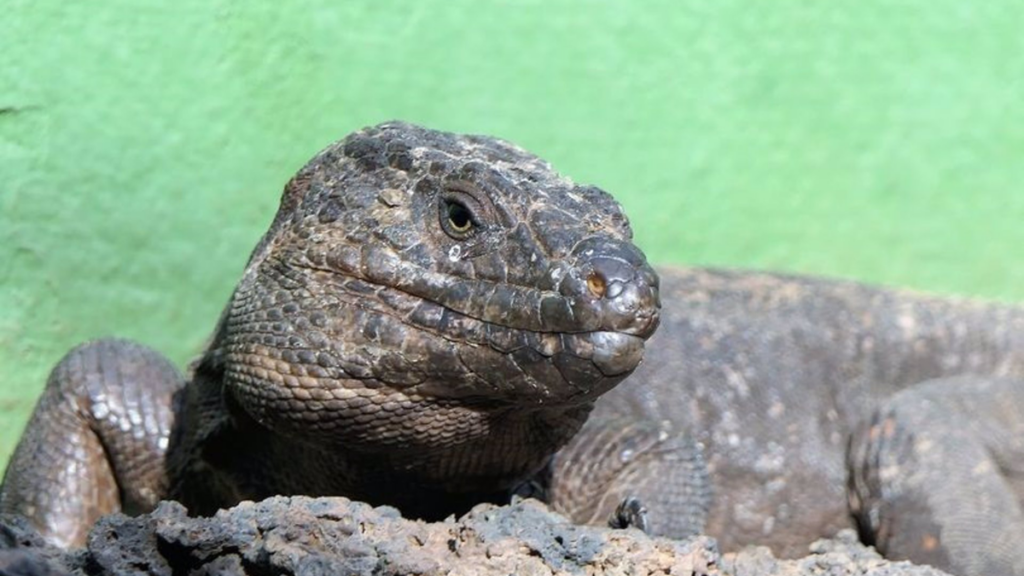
(456, 219)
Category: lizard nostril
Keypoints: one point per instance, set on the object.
(596, 284)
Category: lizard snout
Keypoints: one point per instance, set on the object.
(612, 286)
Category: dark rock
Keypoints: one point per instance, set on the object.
(335, 536)
(27, 562)
(23, 552)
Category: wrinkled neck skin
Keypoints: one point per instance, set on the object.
(241, 459)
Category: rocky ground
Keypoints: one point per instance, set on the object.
(335, 536)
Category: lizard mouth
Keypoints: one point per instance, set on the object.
(613, 353)
(457, 339)
(592, 363)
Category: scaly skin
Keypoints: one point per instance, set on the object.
(821, 402)
(428, 319)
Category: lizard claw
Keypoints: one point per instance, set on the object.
(631, 513)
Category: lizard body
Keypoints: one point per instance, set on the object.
(824, 404)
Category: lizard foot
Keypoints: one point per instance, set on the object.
(616, 470)
(631, 513)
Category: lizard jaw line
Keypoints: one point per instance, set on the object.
(613, 353)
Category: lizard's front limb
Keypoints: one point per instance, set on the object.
(615, 466)
(937, 476)
(96, 441)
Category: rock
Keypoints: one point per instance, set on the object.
(335, 536)
(839, 556)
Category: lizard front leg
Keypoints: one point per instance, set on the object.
(634, 473)
(937, 476)
(95, 443)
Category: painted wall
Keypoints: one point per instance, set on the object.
(143, 144)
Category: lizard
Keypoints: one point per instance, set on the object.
(429, 317)
(769, 409)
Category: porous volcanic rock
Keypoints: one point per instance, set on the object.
(335, 536)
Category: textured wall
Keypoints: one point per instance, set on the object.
(143, 144)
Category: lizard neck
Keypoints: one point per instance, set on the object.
(240, 459)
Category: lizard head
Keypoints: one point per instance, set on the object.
(416, 284)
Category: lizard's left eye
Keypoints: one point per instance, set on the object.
(457, 219)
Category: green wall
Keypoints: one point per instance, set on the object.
(143, 147)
